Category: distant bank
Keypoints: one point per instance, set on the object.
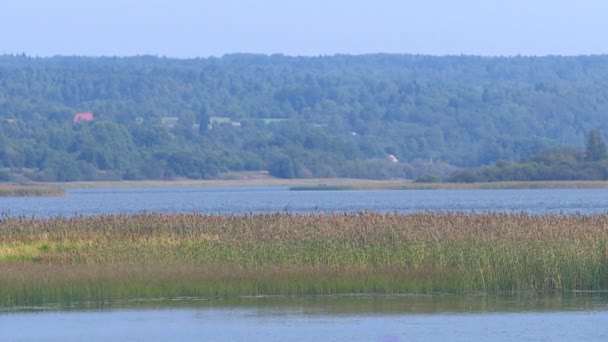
(321, 184)
(257, 179)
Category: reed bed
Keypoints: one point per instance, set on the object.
(14, 190)
(102, 259)
(407, 185)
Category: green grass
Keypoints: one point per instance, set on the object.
(272, 120)
(225, 119)
(103, 259)
(219, 119)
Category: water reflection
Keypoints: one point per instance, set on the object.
(337, 318)
(365, 304)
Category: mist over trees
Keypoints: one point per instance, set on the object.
(338, 116)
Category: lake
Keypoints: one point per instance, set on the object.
(353, 318)
(257, 200)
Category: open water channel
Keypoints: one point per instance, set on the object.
(258, 200)
(469, 317)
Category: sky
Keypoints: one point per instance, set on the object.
(203, 28)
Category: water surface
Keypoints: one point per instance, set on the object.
(405, 318)
(580, 317)
(244, 200)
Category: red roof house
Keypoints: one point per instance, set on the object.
(83, 117)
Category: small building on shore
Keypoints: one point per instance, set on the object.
(78, 117)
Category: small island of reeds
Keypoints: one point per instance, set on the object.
(104, 259)
(17, 190)
(335, 185)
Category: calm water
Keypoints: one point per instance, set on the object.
(407, 318)
(432, 318)
(271, 199)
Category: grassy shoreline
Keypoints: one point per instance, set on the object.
(115, 258)
(333, 184)
(402, 185)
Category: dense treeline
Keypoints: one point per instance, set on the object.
(553, 164)
(294, 116)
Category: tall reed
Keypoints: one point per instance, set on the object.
(119, 257)
(15, 190)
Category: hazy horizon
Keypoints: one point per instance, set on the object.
(189, 28)
(294, 56)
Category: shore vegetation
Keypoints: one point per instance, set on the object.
(103, 259)
(16, 190)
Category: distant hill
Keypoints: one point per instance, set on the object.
(369, 116)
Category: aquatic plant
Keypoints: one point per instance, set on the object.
(14, 190)
(119, 257)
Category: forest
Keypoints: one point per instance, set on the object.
(369, 116)
(557, 164)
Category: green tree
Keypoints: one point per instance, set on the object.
(204, 119)
(596, 147)
(282, 167)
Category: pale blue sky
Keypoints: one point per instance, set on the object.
(190, 28)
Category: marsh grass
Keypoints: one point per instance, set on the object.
(406, 185)
(257, 179)
(14, 190)
(102, 259)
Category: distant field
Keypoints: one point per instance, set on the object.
(98, 260)
(267, 121)
(219, 119)
(225, 119)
